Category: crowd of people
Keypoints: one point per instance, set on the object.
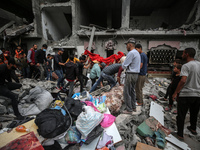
(184, 87)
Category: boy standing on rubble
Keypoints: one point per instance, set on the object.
(189, 93)
(132, 66)
(174, 84)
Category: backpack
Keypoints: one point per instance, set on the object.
(51, 123)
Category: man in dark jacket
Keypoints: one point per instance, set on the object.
(7, 86)
(71, 73)
(40, 59)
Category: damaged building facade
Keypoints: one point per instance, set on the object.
(102, 26)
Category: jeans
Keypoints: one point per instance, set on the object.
(71, 88)
(129, 91)
(81, 79)
(41, 68)
(185, 103)
(49, 75)
(60, 78)
(26, 72)
(96, 83)
(5, 90)
(110, 79)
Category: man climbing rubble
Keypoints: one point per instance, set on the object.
(189, 93)
(40, 60)
(132, 66)
(7, 86)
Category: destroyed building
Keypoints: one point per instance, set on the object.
(101, 26)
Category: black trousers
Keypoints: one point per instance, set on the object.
(94, 80)
(167, 92)
(33, 71)
(185, 103)
(5, 90)
(83, 81)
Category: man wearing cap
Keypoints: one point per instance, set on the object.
(132, 66)
(6, 85)
(40, 59)
(58, 63)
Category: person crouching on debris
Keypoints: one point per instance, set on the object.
(189, 93)
(6, 85)
(107, 74)
(71, 74)
(95, 71)
(132, 66)
(40, 60)
(174, 84)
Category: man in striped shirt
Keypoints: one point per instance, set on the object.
(132, 66)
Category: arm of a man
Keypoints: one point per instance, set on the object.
(29, 56)
(184, 74)
(127, 61)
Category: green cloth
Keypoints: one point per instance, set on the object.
(95, 71)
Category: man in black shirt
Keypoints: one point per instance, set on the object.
(7, 86)
(82, 77)
(40, 59)
(71, 73)
(58, 63)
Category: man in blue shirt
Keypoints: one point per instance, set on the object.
(132, 66)
(142, 75)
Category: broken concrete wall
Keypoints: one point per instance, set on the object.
(180, 12)
(55, 25)
(155, 20)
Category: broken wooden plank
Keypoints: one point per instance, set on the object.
(91, 39)
(6, 26)
(99, 27)
(157, 112)
(142, 146)
(85, 27)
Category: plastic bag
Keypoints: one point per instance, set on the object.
(108, 120)
(25, 142)
(73, 136)
(102, 107)
(88, 120)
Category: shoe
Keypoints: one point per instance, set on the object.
(168, 108)
(175, 111)
(140, 104)
(192, 131)
(127, 112)
(177, 136)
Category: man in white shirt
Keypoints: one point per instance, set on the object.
(132, 66)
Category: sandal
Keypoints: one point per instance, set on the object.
(192, 131)
(177, 136)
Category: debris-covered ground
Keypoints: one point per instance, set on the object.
(127, 125)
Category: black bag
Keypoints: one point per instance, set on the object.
(94, 134)
(74, 107)
(51, 123)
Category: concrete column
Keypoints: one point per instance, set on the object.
(125, 13)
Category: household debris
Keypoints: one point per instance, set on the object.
(128, 131)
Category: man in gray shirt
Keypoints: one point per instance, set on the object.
(189, 93)
(132, 66)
